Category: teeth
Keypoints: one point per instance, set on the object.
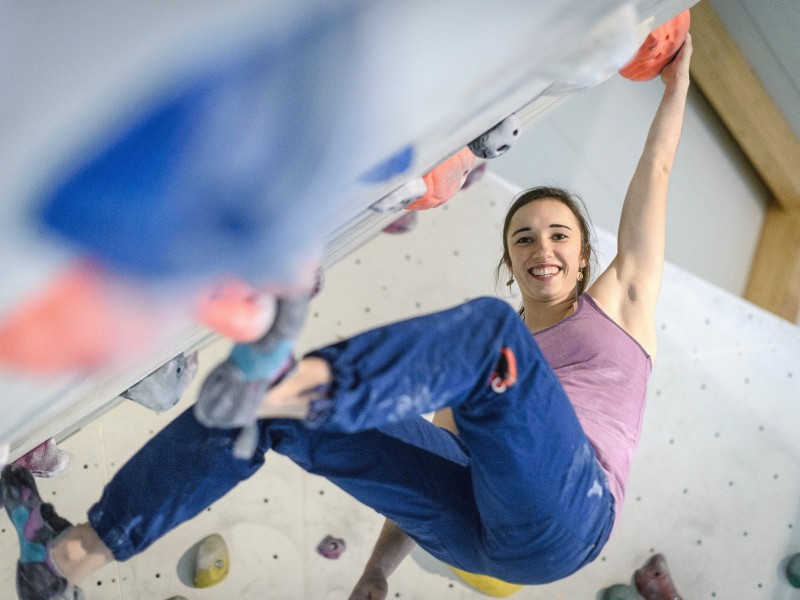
(545, 271)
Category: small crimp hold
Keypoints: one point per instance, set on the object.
(331, 547)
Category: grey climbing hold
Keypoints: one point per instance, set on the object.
(290, 315)
(621, 592)
(46, 460)
(163, 388)
(498, 140)
(793, 570)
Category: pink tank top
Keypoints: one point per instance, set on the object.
(604, 372)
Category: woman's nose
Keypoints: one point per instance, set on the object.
(542, 249)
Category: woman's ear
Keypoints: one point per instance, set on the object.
(587, 252)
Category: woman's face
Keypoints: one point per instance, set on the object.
(544, 243)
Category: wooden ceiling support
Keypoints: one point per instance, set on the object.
(774, 281)
(726, 79)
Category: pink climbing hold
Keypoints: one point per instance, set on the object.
(404, 224)
(83, 319)
(331, 547)
(444, 181)
(46, 460)
(236, 310)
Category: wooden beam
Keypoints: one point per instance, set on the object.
(726, 79)
(774, 281)
(723, 74)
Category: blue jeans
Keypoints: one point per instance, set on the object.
(518, 495)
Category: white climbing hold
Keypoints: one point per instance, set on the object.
(401, 197)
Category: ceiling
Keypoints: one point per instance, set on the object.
(767, 34)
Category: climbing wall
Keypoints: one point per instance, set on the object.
(714, 486)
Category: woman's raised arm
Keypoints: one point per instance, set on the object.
(629, 288)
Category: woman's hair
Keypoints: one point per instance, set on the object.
(578, 208)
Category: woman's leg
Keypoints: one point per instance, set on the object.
(176, 475)
(543, 500)
(379, 379)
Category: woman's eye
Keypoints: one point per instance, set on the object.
(559, 236)
(523, 240)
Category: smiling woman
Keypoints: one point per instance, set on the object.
(548, 234)
(578, 210)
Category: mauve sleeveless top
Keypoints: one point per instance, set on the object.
(604, 372)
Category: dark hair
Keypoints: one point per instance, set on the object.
(578, 208)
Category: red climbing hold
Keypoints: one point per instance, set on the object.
(658, 49)
(653, 580)
(444, 181)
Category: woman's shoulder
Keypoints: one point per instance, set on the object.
(635, 315)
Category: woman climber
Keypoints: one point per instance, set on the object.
(547, 405)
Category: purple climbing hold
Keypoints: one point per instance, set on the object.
(403, 224)
(319, 283)
(475, 175)
(331, 547)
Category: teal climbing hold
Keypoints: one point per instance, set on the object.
(621, 592)
(793, 570)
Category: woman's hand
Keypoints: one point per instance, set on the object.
(373, 585)
(678, 69)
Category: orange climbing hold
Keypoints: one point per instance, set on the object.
(236, 310)
(79, 321)
(444, 181)
(658, 49)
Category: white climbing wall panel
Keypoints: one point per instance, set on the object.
(715, 485)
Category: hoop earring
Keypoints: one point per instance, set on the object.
(510, 282)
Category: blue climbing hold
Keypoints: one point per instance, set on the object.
(396, 164)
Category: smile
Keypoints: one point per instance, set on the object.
(544, 271)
